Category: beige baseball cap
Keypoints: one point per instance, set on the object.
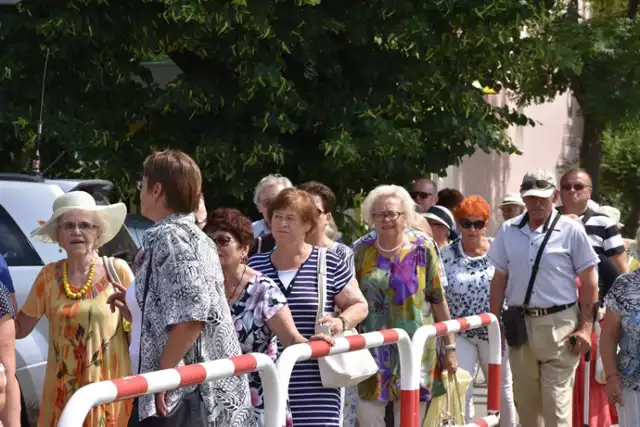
(539, 183)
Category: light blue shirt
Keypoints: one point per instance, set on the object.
(567, 254)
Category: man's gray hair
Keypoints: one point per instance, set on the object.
(268, 181)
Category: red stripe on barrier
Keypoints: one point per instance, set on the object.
(244, 364)
(390, 336)
(409, 407)
(486, 319)
(319, 348)
(464, 323)
(481, 423)
(441, 329)
(192, 374)
(356, 342)
(130, 387)
(493, 392)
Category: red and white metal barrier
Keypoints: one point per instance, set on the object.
(423, 333)
(103, 392)
(318, 349)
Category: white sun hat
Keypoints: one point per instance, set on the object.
(511, 199)
(111, 216)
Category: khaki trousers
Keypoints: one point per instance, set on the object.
(544, 370)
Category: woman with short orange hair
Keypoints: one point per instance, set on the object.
(293, 265)
(469, 275)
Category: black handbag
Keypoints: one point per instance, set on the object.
(190, 410)
(515, 328)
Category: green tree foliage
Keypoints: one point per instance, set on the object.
(597, 59)
(620, 172)
(347, 92)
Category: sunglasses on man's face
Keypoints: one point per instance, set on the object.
(576, 187)
(419, 195)
(541, 184)
(478, 225)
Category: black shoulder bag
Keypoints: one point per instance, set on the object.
(515, 328)
(190, 411)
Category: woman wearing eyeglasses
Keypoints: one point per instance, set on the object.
(469, 275)
(258, 306)
(399, 275)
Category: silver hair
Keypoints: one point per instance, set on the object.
(389, 191)
(267, 181)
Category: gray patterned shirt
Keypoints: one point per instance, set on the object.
(186, 285)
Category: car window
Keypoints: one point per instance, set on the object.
(14, 245)
(122, 246)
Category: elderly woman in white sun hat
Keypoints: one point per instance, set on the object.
(87, 342)
(511, 206)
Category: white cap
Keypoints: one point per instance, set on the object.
(511, 199)
(539, 183)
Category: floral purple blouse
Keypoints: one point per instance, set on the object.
(259, 302)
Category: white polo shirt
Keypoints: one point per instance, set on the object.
(567, 253)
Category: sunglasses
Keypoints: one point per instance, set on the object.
(222, 241)
(576, 187)
(478, 225)
(419, 194)
(541, 184)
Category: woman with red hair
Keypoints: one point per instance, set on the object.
(469, 275)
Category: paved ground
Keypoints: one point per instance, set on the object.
(480, 397)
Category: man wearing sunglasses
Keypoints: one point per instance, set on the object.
(547, 333)
(425, 193)
(603, 232)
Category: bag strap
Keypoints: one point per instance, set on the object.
(536, 264)
(259, 244)
(112, 272)
(322, 281)
(145, 291)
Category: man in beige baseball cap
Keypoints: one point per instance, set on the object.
(537, 258)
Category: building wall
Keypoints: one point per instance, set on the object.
(552, 144)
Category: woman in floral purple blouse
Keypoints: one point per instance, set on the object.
(258, 306)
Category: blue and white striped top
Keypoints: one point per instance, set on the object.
(311, 404)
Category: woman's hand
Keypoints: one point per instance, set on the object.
(118, 300)
(323, 337)
(161, 404)
(334, 324)
(614, 390)
(450, 361)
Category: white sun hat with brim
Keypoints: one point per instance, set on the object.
(111, 217)
(511, 199)
(538, 183)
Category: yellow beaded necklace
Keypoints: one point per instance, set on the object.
(84, 289)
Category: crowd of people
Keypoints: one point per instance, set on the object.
(209, 286)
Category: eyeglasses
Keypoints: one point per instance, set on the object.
(222, 241)
(391, 215)
(419, 194)
(478, 225)
(541, 184)
(576, 187)
(82, 226)
(320, 211)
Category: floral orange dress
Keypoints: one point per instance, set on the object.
(87, 343)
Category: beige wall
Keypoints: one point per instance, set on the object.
(552, 145)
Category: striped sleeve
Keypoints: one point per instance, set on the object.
(604, 235)
(338, 269)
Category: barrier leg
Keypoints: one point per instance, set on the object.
(495, 364)
(409, 385)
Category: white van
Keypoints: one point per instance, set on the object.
(24, 201)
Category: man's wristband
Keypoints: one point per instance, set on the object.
(449, 347)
